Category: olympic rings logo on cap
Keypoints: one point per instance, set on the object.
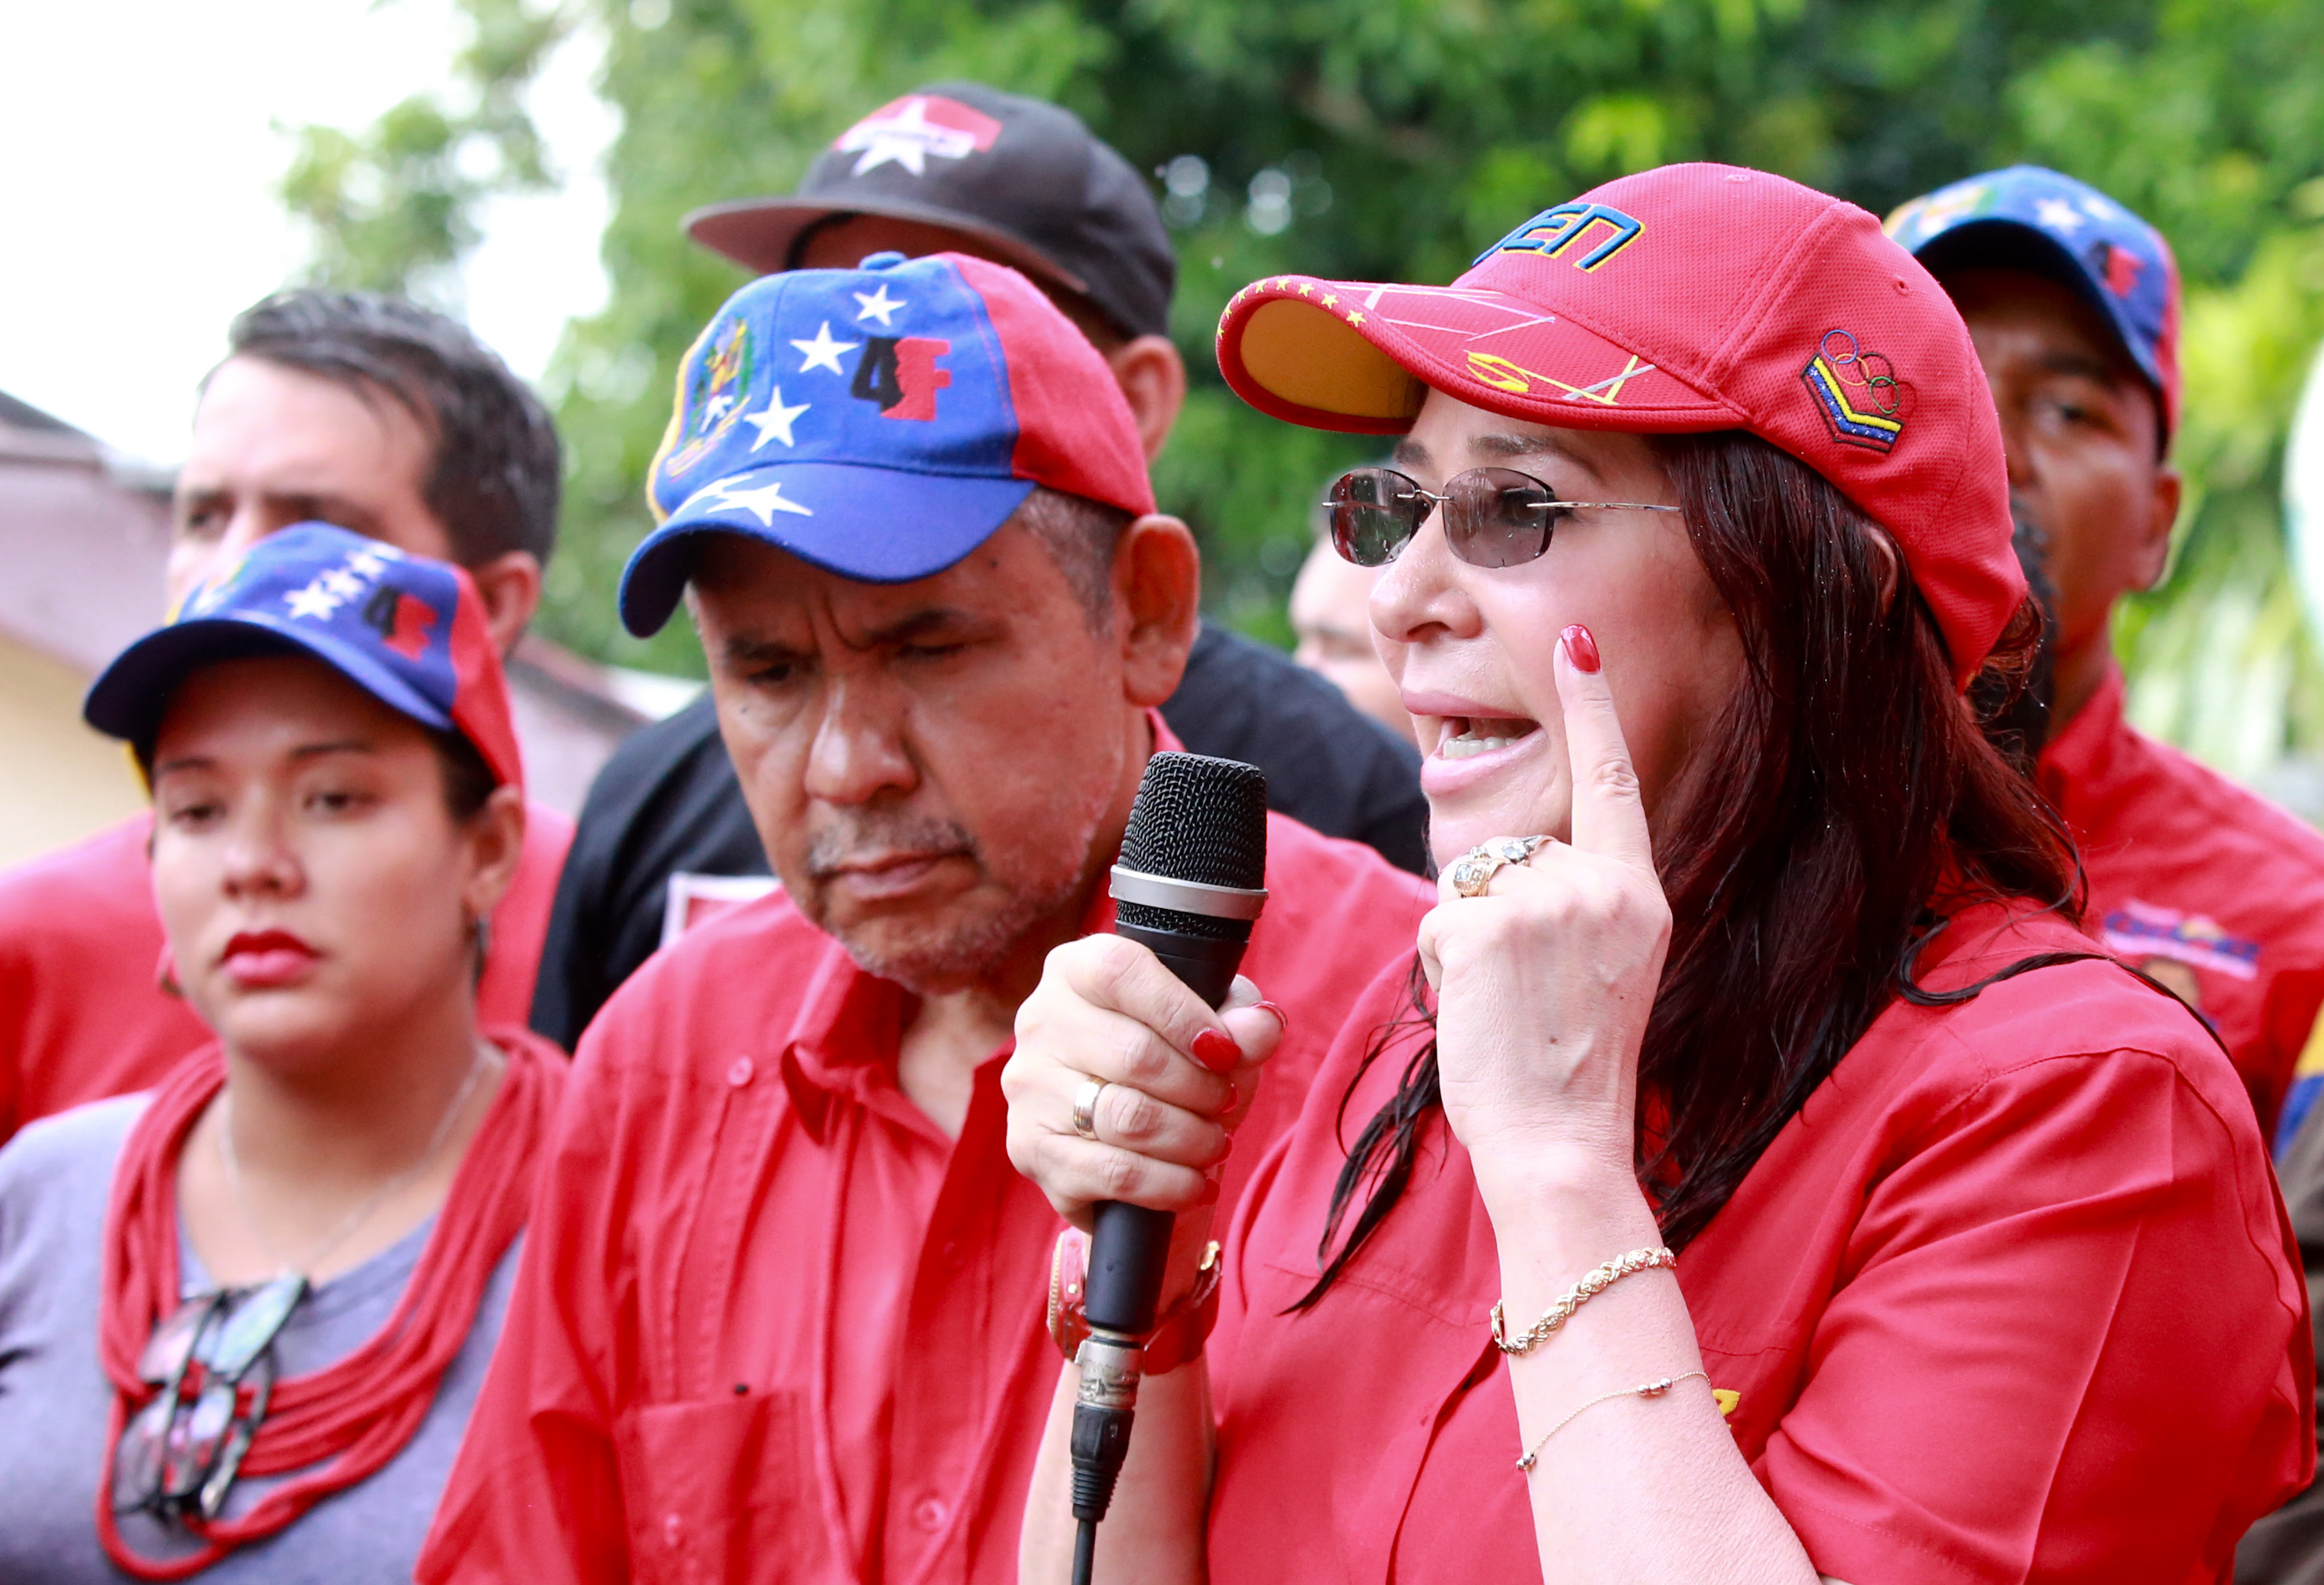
(1858, 391)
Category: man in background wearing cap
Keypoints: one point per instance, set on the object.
(2073, 303)
(384, 419)
(777, 1295)
(959, 166)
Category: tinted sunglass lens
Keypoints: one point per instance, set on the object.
(137, 1461)
(254, 1397)
(257, 1316)
(1374, 513)
(1495, 517)
(173, 1342)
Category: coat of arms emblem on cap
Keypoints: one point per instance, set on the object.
(715, 387)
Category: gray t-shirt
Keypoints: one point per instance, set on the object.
(55, 1179)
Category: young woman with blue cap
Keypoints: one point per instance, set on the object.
(290, 1258)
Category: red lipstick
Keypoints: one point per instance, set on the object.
(266, 960)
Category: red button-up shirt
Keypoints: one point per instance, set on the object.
(2213, 890)
(2013, 1297)
(82, 1013)
(771, 1323)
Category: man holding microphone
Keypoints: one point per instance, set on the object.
(779, 1293)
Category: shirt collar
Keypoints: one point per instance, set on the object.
(848, 1024)
(2075, 757)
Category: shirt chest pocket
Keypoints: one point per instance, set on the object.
(723, 1489)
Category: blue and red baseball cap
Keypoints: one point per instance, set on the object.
(881, 423)
(1690, 297)
(2032, 219)
(408, 631)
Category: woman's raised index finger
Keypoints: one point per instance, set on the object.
(1609, 817)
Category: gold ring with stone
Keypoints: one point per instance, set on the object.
(1085, 1108)
(1473, 871)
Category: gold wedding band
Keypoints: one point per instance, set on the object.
(1473, 871)
(1085, 1108)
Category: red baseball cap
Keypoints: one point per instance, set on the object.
(1687, 298)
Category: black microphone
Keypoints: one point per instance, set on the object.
(1191, 881)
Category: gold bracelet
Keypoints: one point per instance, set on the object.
(1596, 1282)
(1645, 1389)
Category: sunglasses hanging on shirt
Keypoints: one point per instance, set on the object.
(212, 1365)
(1493, 517)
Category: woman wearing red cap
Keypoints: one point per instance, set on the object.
(243, 1319)
(1759, 1177)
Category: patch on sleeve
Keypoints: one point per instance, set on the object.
(2143, 930)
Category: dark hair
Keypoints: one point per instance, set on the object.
(468, 782)
(1845, 793)
(2020, 727)
(497, 471)
(1081, 536)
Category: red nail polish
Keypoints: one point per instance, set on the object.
(1281, 1017)
(1216, 1050)
(1234, 1094)
(1581, 648)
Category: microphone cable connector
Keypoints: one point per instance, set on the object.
(1104, 1408)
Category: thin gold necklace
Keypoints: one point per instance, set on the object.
(361, 1213)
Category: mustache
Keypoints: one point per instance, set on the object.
(853, 836)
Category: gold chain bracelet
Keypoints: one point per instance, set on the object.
(1645, 1389)
(1596, 1282)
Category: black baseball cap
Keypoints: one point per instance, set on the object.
(1026, 177)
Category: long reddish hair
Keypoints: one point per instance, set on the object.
(1844, 793)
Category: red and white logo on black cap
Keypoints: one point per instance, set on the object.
(908, 130)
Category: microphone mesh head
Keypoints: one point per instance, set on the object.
(1197, 818)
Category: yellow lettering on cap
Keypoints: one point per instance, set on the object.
(1728, 1398)
(1498, 373)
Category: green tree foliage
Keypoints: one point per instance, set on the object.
(1392, 139)
(394, 208)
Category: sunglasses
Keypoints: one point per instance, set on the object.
(1493, 517)
(212, 1363)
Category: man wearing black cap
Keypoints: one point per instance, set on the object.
(666, 837)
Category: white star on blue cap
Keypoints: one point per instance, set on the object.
(763, 502)
(878, 304)
(823, 352)
(311, 602)
(2058, 214)
(774, 423)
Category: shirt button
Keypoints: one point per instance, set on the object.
(672, 1526)
(929, 1512)
(740, 1073)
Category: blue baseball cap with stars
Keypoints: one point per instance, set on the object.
(880, 422)
(2030, 217)
(407, 630)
